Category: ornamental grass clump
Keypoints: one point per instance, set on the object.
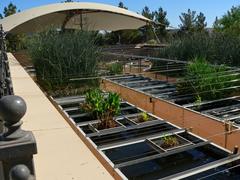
(115, 68)
(206, 81)
(217, 48)
(60, 56)
(102, 107)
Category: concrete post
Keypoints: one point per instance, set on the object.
(17, 146)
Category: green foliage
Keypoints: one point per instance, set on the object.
(130, 36)
(70, 88)
(112, 104)
(126, 36)
(110, 38)
(160, 17)
(94, 100)
(144, 117)
(10, 9)
(230, 22)
(122, 37)
(217, 48)
(14, 42)
(59, 56)
(143, 34)
(201, 22)
(188, 21)
(169, 141)
(146, 12)
(198, 101)
(191, 22)
(147, 30)
(205, 81)
(121, 5)
(68, 1)
(152, 42)
(103, 108)
(115, 68)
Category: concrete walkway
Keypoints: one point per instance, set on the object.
(61, 153)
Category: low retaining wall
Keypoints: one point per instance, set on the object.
(200, 124)
(90, 146)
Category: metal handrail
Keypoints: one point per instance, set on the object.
(6, 87)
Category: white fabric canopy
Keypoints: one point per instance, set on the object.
(74, 15)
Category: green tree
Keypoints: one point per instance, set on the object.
(121, 5)
(10, 9)
(148, 30)
(147, 13)
(131, 36)
(160, 17)
(14, 42)
(126, 36)
(188, 21)
(59, 57)
(201, 22)
(215, 23)
(68, 1)
(118, 34)
(230, 22)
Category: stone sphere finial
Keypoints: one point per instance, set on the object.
(12, 109)
(20, 172)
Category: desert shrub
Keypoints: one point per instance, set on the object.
(15, 42)
(169, 141)
(79, 87)
(217, 48)
(206, 81)
(59, 56)
(115, 68)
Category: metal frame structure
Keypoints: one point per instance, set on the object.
(167, 91)
(6, 87)
(194, 143)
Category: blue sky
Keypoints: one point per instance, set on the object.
(211, 8)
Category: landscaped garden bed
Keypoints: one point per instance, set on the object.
(146, 85)
(226, 109)
(163, 99)
(226, 171)
(144, 146)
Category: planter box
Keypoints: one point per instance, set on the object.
(223, 109)
(203, 123)
(126, 122)
(136, 119)
(180, 142)
(132, 151)
(95, 126)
